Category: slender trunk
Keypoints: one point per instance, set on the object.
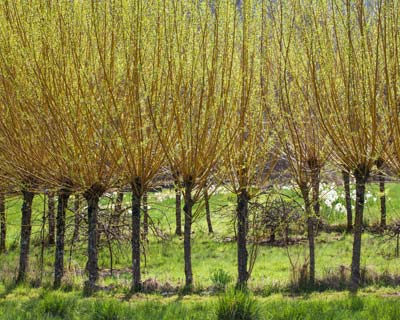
(52, 218)
(26, 229)
(92, 197)
(383, 199)
(242, 212)
(346, 182)
(63, 197)
(118, 209)
(77, 218)
(136, 206)
(187, 246)
(208, 212)
(178, 211)
(315, 190)
(3, 222)
(305, 191)
(361, 179)
(145, 216)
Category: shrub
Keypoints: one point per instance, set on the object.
(237, 305)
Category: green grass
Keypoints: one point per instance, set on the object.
(163, 260)
(28, 303)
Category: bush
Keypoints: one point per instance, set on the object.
(237, 305)
(220, 279)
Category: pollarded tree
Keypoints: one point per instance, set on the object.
(346, 71)
(300, 135)
(192, 119)
(249, 158)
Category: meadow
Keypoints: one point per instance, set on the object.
(273, 283)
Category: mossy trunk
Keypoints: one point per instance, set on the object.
(208, 211)
(178, 211)
(92, 197)
(63, 197)
(77, 218)
(346, 183)
(305, 192)
(136, 206)
(242, 212)
(51, 218)
(117, 210)
(361, 178)
(187, 245)
(3, 224)
(145, 216)
(383, 199)
(26, 229)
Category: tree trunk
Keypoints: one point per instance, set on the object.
(52, 218)
(305, 191)
(63, 197)
(315, 190)
(178, 211)
(145, 216)
(361, 178)
(242, 212)
(382, 198)
(118, 209)
(346, 182)
(3, 222)
(77, 218)
(26, 229)
(136, 206)
(92, 197)
(208, 212)
(187, 246)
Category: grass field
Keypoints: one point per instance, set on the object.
(270, 282)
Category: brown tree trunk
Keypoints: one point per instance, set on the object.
(315, 182)
(51, 218)
(361, 178)
(145, 216)
(77, 218)
(178, 211)
(92, 197)
(118, 209)
(346, 182)
(208, 212)
(136, 206)
(187, 246)
(3, 222)
(382, 198)
(63, 197)
(26, 229)
(305, 191)
(242, 212)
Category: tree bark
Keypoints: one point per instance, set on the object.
(77, 218)
(3, 222)
(136, 206)
(346, 182)
(118, 209)
(92, 197)
(52, 219)
(361, 178)
(242, 212)
(208, 211)
(187, 246)
(305, 191)
(315, 182)
(178, 210)
(145, 216)
(382, 199)
(63, 197)
(26, 229)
